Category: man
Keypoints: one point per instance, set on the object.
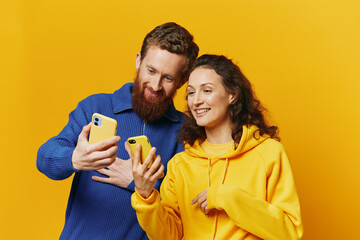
(97, 207)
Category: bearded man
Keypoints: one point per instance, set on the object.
(99, 205)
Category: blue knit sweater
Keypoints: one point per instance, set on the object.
(98, 210)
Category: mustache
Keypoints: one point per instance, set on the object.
(149, 109)
(159, 92)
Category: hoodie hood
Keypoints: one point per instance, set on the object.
(249, 139)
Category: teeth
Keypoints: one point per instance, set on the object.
(202, 110)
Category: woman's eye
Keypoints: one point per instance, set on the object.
(207, 91)
(190, 93)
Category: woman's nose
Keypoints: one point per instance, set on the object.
(198, 99)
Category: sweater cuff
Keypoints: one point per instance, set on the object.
(150, 200)
(211, 197)
(67, 154)
(71, 164)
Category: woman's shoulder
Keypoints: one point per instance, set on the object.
(179, 158)
(271, 145)
(271, 150)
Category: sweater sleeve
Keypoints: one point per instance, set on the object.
(54, 156)
(160, 219)
(277, 217)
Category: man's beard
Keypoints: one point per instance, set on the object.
(147, 109)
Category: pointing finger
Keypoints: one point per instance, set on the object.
(150, 157)
(195, 199)
(105, 144)
(136, 158)
(127, 148)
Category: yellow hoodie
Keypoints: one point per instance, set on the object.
(251, 194)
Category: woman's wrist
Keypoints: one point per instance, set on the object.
(145, 194)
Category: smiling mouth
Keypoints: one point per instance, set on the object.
(152, 94)
(200, 111)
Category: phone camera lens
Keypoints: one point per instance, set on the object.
(132, 141)
(96, 123)
(96, 119)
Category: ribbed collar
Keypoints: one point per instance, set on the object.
(121, 100)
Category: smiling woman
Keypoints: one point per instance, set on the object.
(234, 179)
(209, 102)
(222, 85)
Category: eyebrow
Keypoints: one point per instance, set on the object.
(202, 85)
(150, 66)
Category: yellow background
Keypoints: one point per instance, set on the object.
(301, 56)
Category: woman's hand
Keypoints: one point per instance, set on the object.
(201, 199)
(145, 177)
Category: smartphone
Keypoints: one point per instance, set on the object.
(145, 146)
(102, 128)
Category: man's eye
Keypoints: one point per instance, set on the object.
(168, 78)
(150, 71)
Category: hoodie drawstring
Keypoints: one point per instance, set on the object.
(209, 164)
(222, 182)
(225, 170)
(224, 173)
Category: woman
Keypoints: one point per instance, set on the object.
(233, 181)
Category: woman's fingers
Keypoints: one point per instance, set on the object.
(201, 200)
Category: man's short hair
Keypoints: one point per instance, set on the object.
(175, 39)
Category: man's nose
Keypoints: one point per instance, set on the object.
(156, 83)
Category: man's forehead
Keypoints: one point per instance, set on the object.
(163, 60)
(156, 51)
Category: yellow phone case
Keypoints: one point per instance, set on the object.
(145, 146)
(102, 128)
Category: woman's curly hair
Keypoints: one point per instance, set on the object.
(246, 109)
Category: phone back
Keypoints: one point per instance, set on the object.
(102, 128)
(145, 146)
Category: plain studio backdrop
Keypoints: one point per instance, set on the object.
(301, 56)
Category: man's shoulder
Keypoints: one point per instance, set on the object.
(103, 98)
(174, 115)
(125, 89)
(96, 99)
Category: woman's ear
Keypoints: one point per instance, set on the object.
(232, 99)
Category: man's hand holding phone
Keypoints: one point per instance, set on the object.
(145, 177)
(94, 156)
